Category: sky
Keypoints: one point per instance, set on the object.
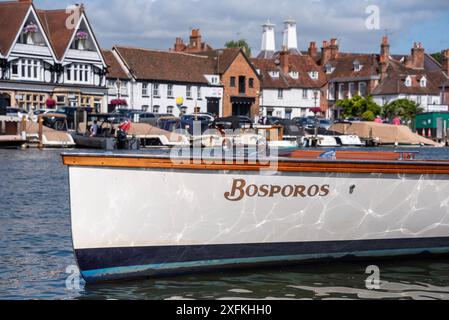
(359, 25)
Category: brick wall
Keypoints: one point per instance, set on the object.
(240, 67)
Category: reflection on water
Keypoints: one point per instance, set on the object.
(400, 280)
(36, 249)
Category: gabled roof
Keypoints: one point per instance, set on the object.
(12, 15)
(154, 65)
(397, 72)
(53, 22)
(115, 69)
(300, 64)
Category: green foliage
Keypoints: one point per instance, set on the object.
(368, 116)
(438, 57)
(359, 107)
(404, 108)
(242, 44)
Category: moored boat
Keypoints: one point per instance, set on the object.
(143, 215)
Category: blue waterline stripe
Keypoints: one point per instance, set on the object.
(106, 258)
(154, 269)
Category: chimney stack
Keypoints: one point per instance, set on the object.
(334, 49)
(195, 39)
(283, 57)
(385, 48)
(290, 36)
(417, 57)
(313, 51)
(268, 40)
(445, 63)
(383, 67)
(179, 45)
(325, 53)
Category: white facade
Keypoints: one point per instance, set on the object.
(289, 103)
(34, 73)
(164, 97)
(424, 101)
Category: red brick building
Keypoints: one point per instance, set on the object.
(240, 80)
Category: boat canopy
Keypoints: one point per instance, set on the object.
(384, 133)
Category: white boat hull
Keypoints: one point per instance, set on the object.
(146, 222)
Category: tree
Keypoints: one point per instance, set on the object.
(438, 57)
(404, 108)
(242, 44)
(359, 107)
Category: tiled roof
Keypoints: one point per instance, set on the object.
(344, 66)
(153, 65)
(115, 70)
(226, 57)
(54, 24)
(397, 74)
(12, 14)
(301, 64)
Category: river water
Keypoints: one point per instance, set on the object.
(36, 255)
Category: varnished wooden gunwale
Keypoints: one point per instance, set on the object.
(356, 166)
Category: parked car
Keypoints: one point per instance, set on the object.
(305, 122)
(152, 118)
(16, 112)
(291, 128)
(170, 123)
(232, 123)
(188, 122)
(69, 112)
(324, 123)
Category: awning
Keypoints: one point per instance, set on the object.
(119, 102)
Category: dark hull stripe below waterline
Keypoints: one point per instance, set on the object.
(202, 255)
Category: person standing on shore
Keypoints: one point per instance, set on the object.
(397, 121)
(378, 120)
(94, 129)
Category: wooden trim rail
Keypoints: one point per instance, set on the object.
(332, 166)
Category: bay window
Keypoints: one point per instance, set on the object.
(27, 69)
(78, 73)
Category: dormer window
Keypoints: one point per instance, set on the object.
(329, 68)
(314, 75)
(31, 35)
(81, 38)
(423, 82)
(294, 74)
(408, 82)
(357, 66)
(274, 74)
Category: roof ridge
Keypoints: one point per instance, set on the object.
(161, 51)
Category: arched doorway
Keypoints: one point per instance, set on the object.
(5, 101)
